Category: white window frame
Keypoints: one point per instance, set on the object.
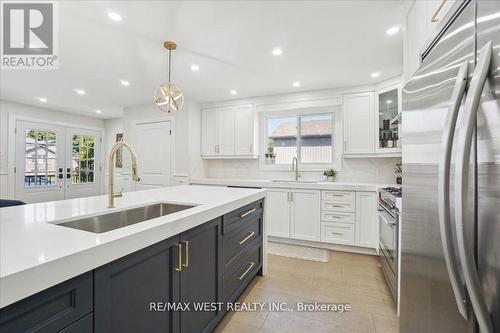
(336, 162)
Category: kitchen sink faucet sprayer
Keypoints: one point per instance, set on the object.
(295, 162)
(111, 192)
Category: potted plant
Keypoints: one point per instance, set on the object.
(330, 174)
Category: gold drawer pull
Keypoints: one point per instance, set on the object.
(179, 261)
(250, 235)
(247, 270)
(336, 216)
(338, 195)
(248, 213)
(187, 254)
(337, 233)
(338, 206)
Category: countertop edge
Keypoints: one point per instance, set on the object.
(22, 284)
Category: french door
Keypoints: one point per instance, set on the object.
(55, 162)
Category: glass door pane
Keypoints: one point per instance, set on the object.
(388, 119)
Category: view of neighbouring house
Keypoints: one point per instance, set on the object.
(315, 139)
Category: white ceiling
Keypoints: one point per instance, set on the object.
(326, 44)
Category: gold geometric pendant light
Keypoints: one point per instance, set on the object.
(167, 96)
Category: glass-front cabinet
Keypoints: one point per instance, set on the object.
(388, 129)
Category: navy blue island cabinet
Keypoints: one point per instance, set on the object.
(176, 285)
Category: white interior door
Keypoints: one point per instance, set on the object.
(56, 163)
(83, 163)
(39, 162)
(153, 147)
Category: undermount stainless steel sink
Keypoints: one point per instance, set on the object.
(116, 220)
(295, 181)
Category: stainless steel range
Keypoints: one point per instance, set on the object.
(388, 215)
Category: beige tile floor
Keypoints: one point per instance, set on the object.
(347, 278)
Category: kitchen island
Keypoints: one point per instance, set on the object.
(202, 253)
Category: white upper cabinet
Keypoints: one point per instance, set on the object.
(422, 21)
(388, 119)
(229, 132)
(359, 119)
(209, 130)
(225, 132)
(245, 131)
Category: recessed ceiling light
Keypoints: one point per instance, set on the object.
(115, 16)
(42, 99)
(277, 51)
(393, 30)
(388, 101)
(375, 74)
(195, 67)
(80, 91)
(98, 111)
(125, 83)
(233, 92)
(296, 84)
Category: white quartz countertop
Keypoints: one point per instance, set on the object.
(36, 253)
(305, 184)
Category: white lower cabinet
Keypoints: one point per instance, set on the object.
(305, 216)
(366, 219)
(334, 217)
(292, 213)
(277, 212)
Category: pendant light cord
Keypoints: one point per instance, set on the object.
(169, 64)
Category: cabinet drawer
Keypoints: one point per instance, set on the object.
(233, 220)
(330, 206)
(338, 196)
(50, 310)
(84, 325)
(329, 216)
(239, 239)
(337, 233)
(242, 271)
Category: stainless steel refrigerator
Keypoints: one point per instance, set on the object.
(450, 260)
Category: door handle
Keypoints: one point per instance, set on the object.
(187, 254)
(450, 256)
(179, 258)
(467, 130)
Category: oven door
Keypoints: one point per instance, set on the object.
(388, 237)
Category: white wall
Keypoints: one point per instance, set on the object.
(187, 135)
(363, 170)
(10, 109)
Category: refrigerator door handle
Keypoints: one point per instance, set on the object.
(450, 256)
(467, 130)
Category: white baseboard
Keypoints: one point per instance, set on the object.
(335, 247)
(298, 251)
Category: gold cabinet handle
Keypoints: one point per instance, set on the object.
(337, 233)
(338, 206)
(179, 260)
(336, 216)
(247, 270)
(435, 18)
(187, 254)
(248, 213)
(250, 235)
